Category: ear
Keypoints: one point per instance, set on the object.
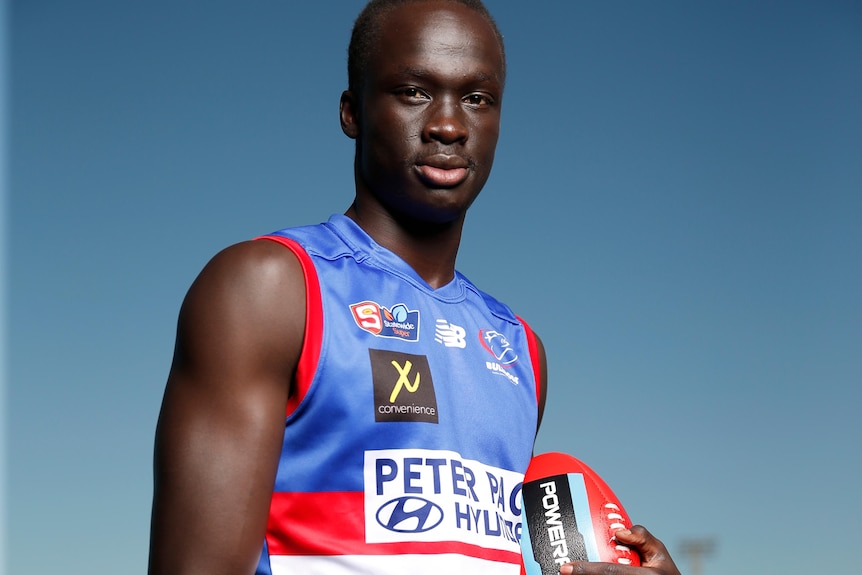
(348, 109)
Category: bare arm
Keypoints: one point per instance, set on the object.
(220, 429)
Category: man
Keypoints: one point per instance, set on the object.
(342, 400)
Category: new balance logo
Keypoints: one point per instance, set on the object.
(449, 334)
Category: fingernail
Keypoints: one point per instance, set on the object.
(567, 570)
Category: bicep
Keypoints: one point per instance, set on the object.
(220, 427)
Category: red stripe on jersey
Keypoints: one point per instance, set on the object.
(333, 523)
(307, 365)
(533, 348)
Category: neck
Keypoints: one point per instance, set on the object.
(429, 248)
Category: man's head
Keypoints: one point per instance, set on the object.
(425, 109)
(366, 31)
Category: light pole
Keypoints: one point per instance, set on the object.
(695, 550)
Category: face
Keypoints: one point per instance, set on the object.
(428, 116)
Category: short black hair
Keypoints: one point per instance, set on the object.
(366, 30)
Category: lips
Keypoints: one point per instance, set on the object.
(443, 171)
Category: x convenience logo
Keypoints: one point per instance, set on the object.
(403, 387)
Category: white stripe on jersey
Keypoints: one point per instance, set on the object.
(388, 565)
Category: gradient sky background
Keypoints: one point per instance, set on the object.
(675, 208)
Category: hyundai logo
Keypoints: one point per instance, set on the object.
(410, 515)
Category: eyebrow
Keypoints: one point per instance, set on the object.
(417, 72)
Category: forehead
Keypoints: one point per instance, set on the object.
(427, 37)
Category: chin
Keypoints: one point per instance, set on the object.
(449, 207)
(431, 215)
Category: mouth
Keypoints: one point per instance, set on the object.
(443, 171)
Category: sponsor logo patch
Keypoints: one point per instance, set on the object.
(399, 322)
(449, 334)
(437, 495)
(403, 387)
(409, 514)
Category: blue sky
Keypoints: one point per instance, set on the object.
(675, 208)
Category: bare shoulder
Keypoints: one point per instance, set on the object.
(252, 267)
(245, 313)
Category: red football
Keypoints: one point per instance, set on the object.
(569, 514)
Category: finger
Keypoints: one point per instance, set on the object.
(652, 551)
(584, 568)
(638, 541)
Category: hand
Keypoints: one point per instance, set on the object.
(654, 557)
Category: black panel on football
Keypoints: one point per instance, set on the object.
(551, 521)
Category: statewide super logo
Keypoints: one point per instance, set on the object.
(397, 322)
(414, 495)
(403, 388)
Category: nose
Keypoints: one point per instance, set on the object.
(446, 122)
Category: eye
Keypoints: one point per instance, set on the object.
(412, 94)
(479, 100)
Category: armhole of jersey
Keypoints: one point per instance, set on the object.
(313, 338)
(534, 358)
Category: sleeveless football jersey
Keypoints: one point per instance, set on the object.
(411, 424)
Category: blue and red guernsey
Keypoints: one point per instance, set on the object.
(411, 423)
